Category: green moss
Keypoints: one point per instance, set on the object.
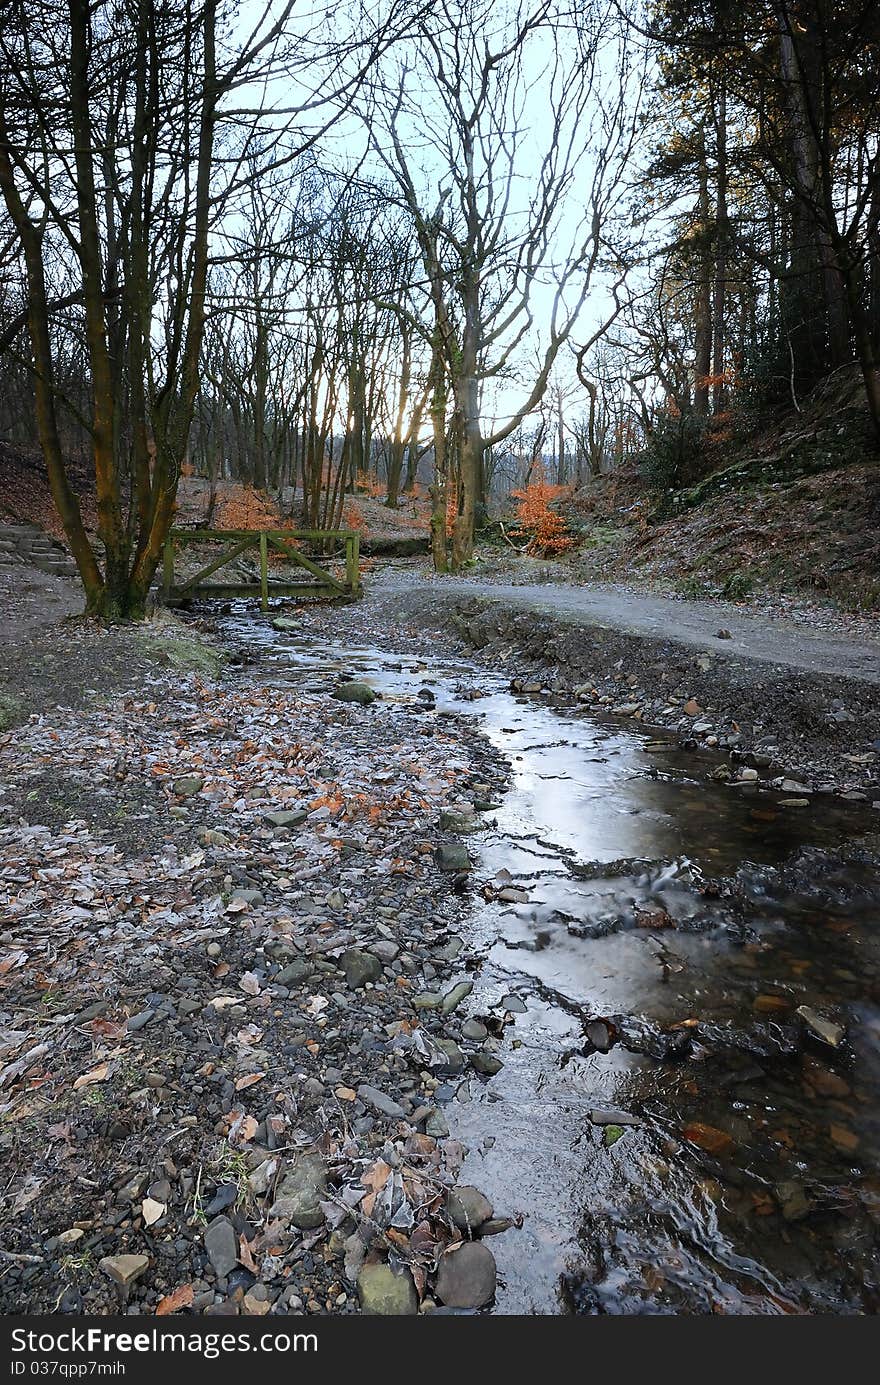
(11, 712)
(183, 652)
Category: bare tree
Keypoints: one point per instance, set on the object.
(127, 131)
(498, 121)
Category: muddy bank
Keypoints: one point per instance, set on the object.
(798, 731)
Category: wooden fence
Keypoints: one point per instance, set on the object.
(239, 541)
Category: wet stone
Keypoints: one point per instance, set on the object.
(468, 1208)
(467, 1276)
(826, 1030)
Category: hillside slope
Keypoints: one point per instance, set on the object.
(794, 509)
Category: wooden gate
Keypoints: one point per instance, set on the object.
(239, 541)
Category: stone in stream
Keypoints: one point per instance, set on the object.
(452, 856)
(468, 1208)
(458, 820)
(285, 817)
(299, 1195)
(599, 1035)
(285, 623)
(466, 1277)
(474, 1029)
(514, 1004)
(361, 693)
(221, 1244)
(124, 1269)
(381, 1291)
(794, 1204)
(611, 1116)
(826, 1030)
(453, 998)
(360, 967)
(486, 1063)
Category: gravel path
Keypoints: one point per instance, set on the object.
(753, 635)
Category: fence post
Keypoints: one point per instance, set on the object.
(352, 556)
(168, 567)
(264, 571)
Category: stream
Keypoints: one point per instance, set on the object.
(675, 1136)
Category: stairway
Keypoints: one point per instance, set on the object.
(28, 543)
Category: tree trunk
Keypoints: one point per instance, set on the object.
(703, 309)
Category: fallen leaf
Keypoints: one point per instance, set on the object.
(151, 1210)
(709, 1138)
(98, 1074)
(181, 1298)
(250, 1080)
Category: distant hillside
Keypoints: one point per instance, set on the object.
(795, 508)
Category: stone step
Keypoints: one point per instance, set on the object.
(20, 531)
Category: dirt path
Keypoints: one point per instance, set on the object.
(764, 638)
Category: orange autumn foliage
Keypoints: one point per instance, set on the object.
(543, 528)
(245, 507)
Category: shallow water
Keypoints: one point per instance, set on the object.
(653, 898)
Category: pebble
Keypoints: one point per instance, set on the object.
(360, 967)
(124, 1269)
(475, 1030)
(486, 1063)
(385, 1105)
(452, 856)
(221, 1245)
(468, 1208)
(360, 693)
(301, 1191)
(453, 998)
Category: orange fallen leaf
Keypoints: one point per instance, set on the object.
(250, 1081)
(709, 1138)
(182, 1297)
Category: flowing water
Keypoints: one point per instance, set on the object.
(655, 937)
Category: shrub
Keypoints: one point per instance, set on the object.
(542, 526)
